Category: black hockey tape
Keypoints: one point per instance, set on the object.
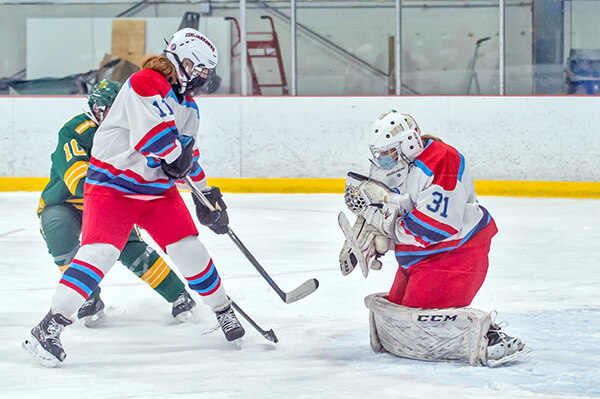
(357, 176)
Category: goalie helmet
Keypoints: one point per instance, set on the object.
(102, 96)
(395, 137)
(195, 59)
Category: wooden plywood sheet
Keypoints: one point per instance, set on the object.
(129, 39)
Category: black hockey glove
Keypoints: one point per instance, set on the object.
(180, 167)
(217, 220)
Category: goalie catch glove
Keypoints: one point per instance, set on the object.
(354, 201)
(361, 192)
(216, 220)
(181, 166)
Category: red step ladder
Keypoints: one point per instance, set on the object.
(268, 47)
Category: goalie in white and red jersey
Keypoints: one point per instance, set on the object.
(419, 200)
(145, 144)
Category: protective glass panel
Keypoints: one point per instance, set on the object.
(96, 40)
(344, 47)
(518, 55)
(582, 47)
(450, 47)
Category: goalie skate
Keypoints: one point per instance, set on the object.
(364, 259)
(521, 352)
(503, 348)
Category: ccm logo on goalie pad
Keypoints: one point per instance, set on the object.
(436, 317)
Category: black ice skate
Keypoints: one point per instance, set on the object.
(502, 347)
(229, 323)
(182, 307)
(92, 311)
(44, 342)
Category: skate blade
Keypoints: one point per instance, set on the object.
(184, 317)
(32, 346)
(237, 343)
(525, 350)
(95, 321)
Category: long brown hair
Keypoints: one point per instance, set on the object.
(426, 137)
(162, 65)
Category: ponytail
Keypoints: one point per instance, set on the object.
(426, 137)
(162, 65)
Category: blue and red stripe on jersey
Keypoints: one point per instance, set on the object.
(197, 173)
(158, 141)
(205, 282)
(82, 277)
(189, 102)
(408, 255)
(426, 229)
(126, 181)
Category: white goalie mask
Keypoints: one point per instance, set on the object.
(395, 138)
(195, 59)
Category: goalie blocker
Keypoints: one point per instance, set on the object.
(453, 334)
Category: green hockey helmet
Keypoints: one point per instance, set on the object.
(102, 96)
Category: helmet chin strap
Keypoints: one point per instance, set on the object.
(405, 158)
(182, 85)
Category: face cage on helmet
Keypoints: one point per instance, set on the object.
(194, 83)
(198, 83)
(100, 112)
(387, 157)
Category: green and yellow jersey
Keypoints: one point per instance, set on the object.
(70, 162)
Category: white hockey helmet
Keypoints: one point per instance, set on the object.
(395, 137)
(195, 59)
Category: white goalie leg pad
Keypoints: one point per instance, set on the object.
(453, 334)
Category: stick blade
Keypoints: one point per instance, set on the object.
(307, 288)
(270, 335)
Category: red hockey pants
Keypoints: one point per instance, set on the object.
(445, 280)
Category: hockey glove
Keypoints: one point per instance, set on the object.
(366, 245)
(352, 196)
(217, 220)
(361, 192)
(180, 167)
(383, 218)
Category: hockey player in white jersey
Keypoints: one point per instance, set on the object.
(419, 200)
(145, 144)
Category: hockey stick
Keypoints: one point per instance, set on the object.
(306, 288)
(269, 335)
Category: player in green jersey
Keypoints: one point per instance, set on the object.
(61, 207)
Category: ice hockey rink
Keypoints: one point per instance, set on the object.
(544, 281)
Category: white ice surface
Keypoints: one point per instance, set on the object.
(544, 280)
